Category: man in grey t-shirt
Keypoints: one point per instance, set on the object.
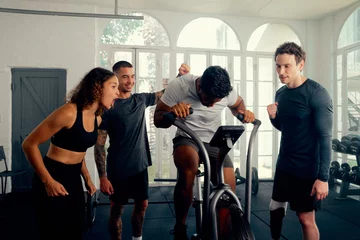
(125, 175)
(208, 95)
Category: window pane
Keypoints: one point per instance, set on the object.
(221, 61)
(249, 68)
(198, 64)
(249, 94)
(265, 167)
(104, 59)
(147, 32)
(266, 95)
(237, 68)
(349, 33)
(268, 37)
(264, 117)
(339, 93)
(266, 69)
(265, 143)
(147, 64)
(166, 65)
(339, 121)
(123, 56)
(339, 67)
(218, 36)
(353, 63)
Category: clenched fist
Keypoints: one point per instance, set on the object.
(272, 108)
(184, 69)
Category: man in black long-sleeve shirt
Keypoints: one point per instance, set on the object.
(303, 112)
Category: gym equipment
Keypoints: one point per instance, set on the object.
(344, 145)
(254, 180)
(220, 210)
(90, 209)
(350, 144)
(334, 172)
(354, 147)
(335, 144)
(355, 175)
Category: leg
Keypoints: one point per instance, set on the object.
(229, 177)
(115, 223)
(186, 161)
(305, 207)
(277, 213)
(137, 218)
(278, 204)
(310, 230)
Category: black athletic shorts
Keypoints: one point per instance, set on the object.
(295, 190)
(135, 187)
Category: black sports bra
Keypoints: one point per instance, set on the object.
(76, 138)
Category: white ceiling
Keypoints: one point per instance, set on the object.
(284, 9)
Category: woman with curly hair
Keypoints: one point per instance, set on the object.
(57, 185)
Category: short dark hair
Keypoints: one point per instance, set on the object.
(291, 48)
(215, 82)
(121, 64)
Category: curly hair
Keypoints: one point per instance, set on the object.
(215, 82)
(89, 90)
(291, 48)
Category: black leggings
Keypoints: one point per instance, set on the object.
(60, 217)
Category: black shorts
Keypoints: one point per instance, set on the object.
(212, 152)
(295, 190)
(135, 187)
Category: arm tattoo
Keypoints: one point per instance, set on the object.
(100, 155)
(158, 95)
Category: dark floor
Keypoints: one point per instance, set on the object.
(338, 219)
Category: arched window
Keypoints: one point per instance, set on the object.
(261, 85)
(199, 34)
(269, 36)
(147, 32)
(145, 44)
(350, 32)
(347, 84)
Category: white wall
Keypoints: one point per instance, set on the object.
(72, 44)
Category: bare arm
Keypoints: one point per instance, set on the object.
(100, 154)
(88, 182)
(239, 107)
(60, 118)
(158, 95)
(183, 69)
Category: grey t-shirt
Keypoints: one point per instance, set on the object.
(125, 123)
(205, 120)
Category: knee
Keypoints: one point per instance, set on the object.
(141, 206)
(307, 220)
(116, 209)
(274, 205)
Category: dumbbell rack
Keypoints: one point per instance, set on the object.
(345, 185)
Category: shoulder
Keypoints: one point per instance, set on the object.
(64, 115)
(315, 87)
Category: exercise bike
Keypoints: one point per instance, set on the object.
(219, 214)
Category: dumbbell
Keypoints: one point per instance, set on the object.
(345, 171)
(346, 138)
(344, 145)
(355, 175)
(335, 169)
(354, 148)
(355, 138)
(335, 144)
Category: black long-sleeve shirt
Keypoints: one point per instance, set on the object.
(305, 118)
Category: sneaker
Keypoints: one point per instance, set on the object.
(180, 232)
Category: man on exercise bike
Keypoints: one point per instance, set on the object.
(208, 95)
